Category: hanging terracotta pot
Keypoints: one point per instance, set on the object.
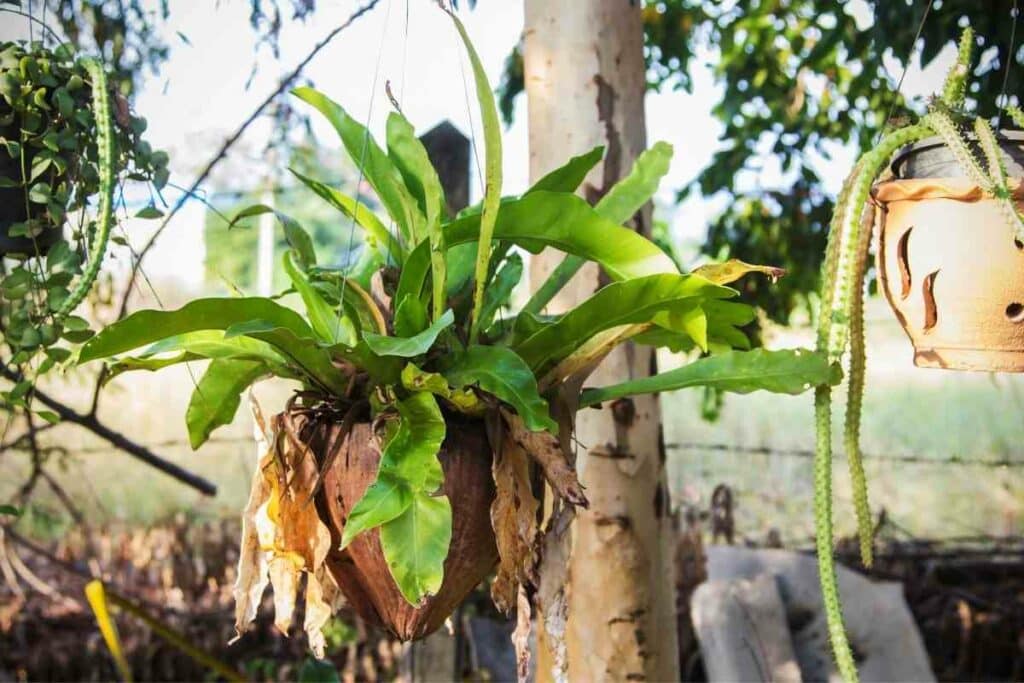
(950, 264)
(361, 571)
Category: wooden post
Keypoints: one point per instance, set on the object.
(585, 81)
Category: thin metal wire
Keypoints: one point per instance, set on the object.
(359, 182)
(903, 76)
(1003, 99)
(405, 53)
(809, 453)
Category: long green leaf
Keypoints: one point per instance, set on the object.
(384, 499)
(410, 317)
(501, 372)
(631, 193)
(410, 156)
(499, 290)
(782, 372)
(411, 455)
(304, 352)
(620, 303)
(379, 236)
(492, 175)
(568, 177)
(123, 365)
(557, 220)
(218, 394)
(326, 322)
(212, 344)
(216, 313)
(378, 169)
(297, 237)
(407, 347)
(415, 545)
(624, 199)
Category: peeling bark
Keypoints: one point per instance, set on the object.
(613, 595)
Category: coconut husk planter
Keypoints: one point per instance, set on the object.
(360, 570)
(951, 267)
(315, 465)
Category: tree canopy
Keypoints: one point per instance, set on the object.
(799, 78)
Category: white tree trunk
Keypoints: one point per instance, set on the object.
(585, 81)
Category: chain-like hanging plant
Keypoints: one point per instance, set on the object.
(403, 468)
(66, 141)
(979, 155)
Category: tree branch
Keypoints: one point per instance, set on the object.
(118, 440)
(222, 152)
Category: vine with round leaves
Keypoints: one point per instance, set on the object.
(841, 318)
(66, 144)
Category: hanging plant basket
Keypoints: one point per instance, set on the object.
(361, 570)
(950, 263)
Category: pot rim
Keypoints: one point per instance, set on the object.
(934, 142)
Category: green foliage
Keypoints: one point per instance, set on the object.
(798, 79)
(741, 372)
(420, 344)
(10, 511)
(218, 395)
(505, 375)
(65, 142)
(841, 320)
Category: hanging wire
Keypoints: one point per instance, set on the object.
(903, 76)
(405, 52)
(359, 182)
(1003, 99)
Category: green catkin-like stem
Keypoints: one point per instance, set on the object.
(1015, 114)
(990, 147)
(855, 396)
(946, 128)
(105, 154)
(955, 88)
(997, 171)
(823, 534)
(840, 275)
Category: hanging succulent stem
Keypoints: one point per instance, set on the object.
(105, 154)
(842, 275)
(955, 88)
(841, 318)
(1015, 114)
(855, 393)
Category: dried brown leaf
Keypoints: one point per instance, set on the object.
(545, 449)
(252, 559)
(514, 519)
(282, 535)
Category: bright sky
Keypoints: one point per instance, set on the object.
(201, 97)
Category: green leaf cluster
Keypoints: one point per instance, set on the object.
(65, 141)
(425, 328)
